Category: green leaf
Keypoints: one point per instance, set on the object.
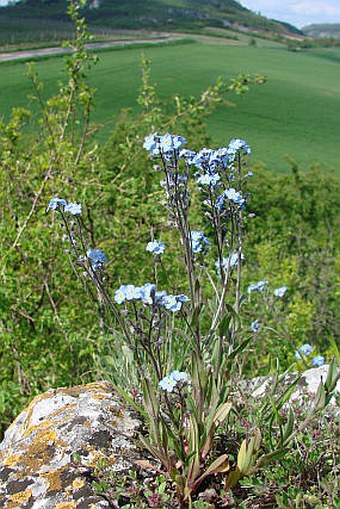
(289, 426)
(194, 464)
(272, 456)
(131, 402)
(332, 376)
(320, 398)
(248, 451)
(240, 348)
(233, 478)
(219, 465)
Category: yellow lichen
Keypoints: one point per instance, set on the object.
(53, 478)
(16, 500)
(66, 505)
(77, 484)
(40, 451)
(101, 396)
(12, 459)
(43, 424)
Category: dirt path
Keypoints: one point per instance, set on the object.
(32, 53)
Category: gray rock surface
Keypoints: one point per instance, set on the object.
(36, 467)
(305, 389)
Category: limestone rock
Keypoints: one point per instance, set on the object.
(36, 467)
(305, 389)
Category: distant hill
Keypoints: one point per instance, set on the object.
(325, 30)
(151, 15)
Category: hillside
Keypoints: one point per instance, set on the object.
(150, 15)
(323, 30)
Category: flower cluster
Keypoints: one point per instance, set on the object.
(231, 195)
(237, 146)
(155, 247)
(230, 261)
(59, 204)
(150, 296)
(305, 350)
(97, 258)
(318, 361)
(169, 382)
(279, 292)
(165, 145)
(199, 243)
(257, 287)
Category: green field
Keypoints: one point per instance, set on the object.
(296, 113)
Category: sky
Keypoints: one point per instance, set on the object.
(297, 12)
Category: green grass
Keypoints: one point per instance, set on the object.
(296, 113)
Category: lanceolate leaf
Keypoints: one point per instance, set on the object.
(220, 465)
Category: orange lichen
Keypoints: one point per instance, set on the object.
(18, 499)
(40, 451)
(66, 505)
(53, 478)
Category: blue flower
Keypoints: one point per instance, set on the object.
(182, 298)
(151, 144)
(319, 361)
(208, 180)
(219, 157)
(174, 302)
(187, 155)
(147, 293)
(120, 294)
(258, 287)
(234, 196)
(73, 208)
(169, 143)
(201, 160)
(199, 242)
(132, 292)
(232, 263)
(231, 195)
(304, 351)
(179, 376)
(97, 258)
(167, 384)
(238, 146)
(56, 204)
(255, 326)
(155, 247)
(279, 292)
(159, 296)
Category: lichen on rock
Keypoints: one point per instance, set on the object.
(36, 456)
